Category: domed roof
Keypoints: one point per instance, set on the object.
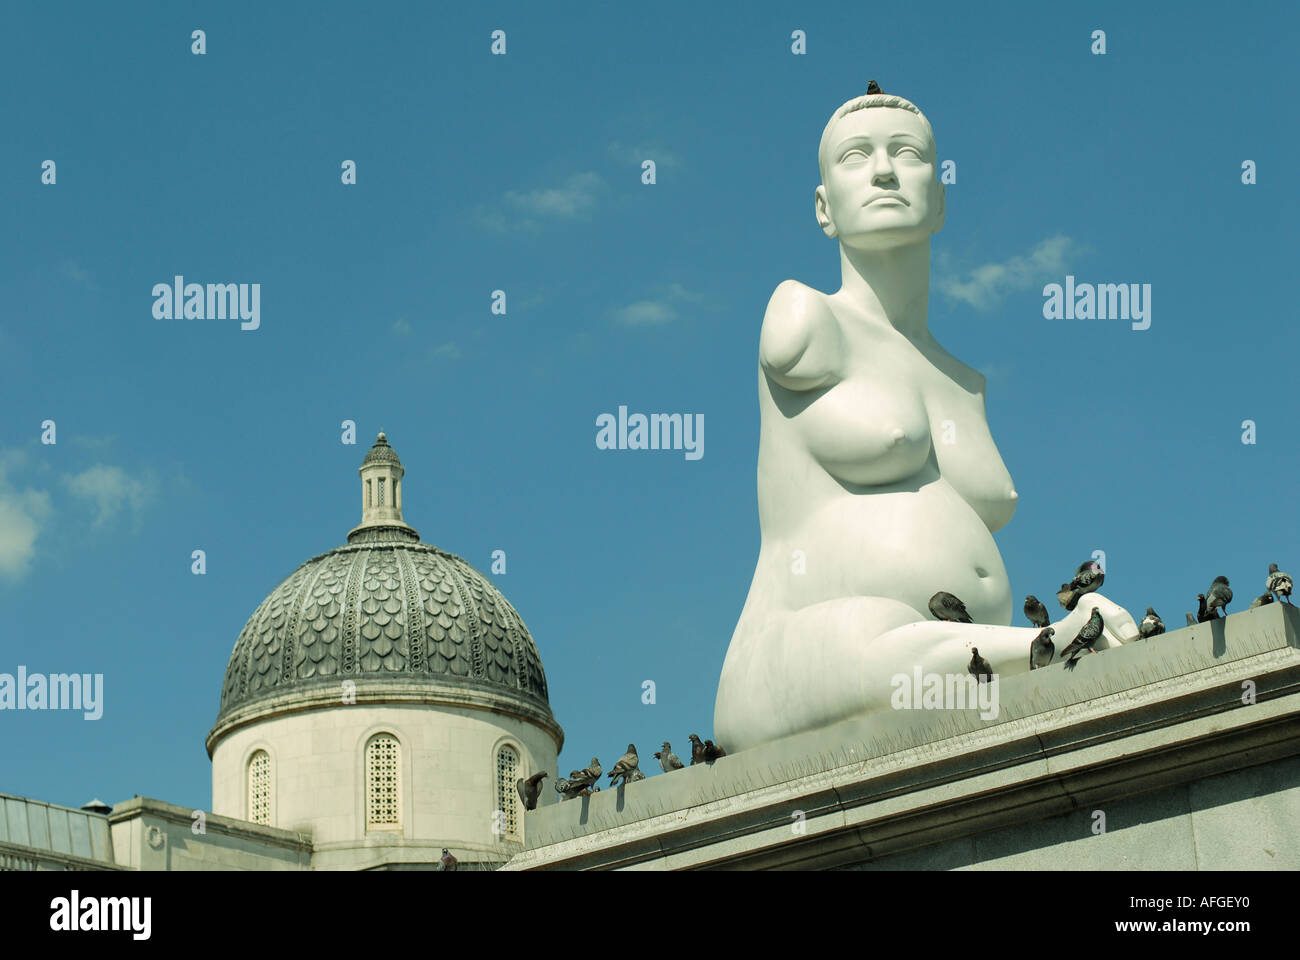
(384, 609)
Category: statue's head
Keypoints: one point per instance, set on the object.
(877, 160)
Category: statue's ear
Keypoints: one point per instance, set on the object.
(943, 208)
(823, 211)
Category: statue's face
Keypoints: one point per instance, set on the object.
(878, 185)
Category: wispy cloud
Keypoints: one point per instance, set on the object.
(985, 286)
(446, 351)
(575, 199)
(645, 313)
(23, 513)
(401, 326)
(656, 311)
(110, 490)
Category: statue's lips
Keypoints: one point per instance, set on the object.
(888, 196)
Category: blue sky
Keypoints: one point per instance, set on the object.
(523, 173)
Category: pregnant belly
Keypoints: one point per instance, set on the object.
(904, 546)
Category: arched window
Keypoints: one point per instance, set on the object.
(259, 788)
(383, 782)
(507, 792)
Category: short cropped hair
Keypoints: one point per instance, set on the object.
(863, 102)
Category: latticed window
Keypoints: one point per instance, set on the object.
(507, 791)
(259, 788)
(383, 782)
(381, 491)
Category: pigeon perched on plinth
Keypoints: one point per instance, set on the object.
(579, 781)
(1262, 599)
(697, 750)
(1218, 598)
(588, 775)
(1087, 578)
(1088, 635)
(979, 667)
(447, 863)
(1041, 649)
(712, 751)
(948, 608)
(873, 87)
(1035, 612)
(1151, 625)
(668, 761)
(1278, 583)
(1203, 615)
(626, 764)
(530, 789)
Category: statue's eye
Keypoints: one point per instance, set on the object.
(853, 156)
(908, 152)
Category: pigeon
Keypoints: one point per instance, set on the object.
(873, 87)
(712, 752)
(1088, 635)
(697, 750)
(668, 761)
(1218, 598)
(1202, 615)
(1151, 625)
(1279, 584)
(587, 776)
(1262, 599)
(579, 781)
(978, 666)
(1041, 649)
(626, 764)
(447, 863)
(1087, 578)
(530, 789)
(1035, 612)
(946, 607)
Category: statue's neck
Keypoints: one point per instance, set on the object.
(891, 285)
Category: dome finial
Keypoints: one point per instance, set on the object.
(381, 487)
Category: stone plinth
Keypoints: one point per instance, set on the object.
(1154, 735)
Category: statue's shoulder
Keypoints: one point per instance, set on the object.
(799, 328)
(795, 308)
(796, 299)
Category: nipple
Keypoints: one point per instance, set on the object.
(897, 435)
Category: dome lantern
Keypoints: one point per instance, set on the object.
(381, 492)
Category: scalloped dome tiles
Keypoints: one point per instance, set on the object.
(383, 606)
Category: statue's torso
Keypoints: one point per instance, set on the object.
(888, 480)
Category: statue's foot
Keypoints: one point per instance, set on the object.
(1118, 626)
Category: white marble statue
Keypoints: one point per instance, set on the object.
(878, 480)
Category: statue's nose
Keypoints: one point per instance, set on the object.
(882, 167)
